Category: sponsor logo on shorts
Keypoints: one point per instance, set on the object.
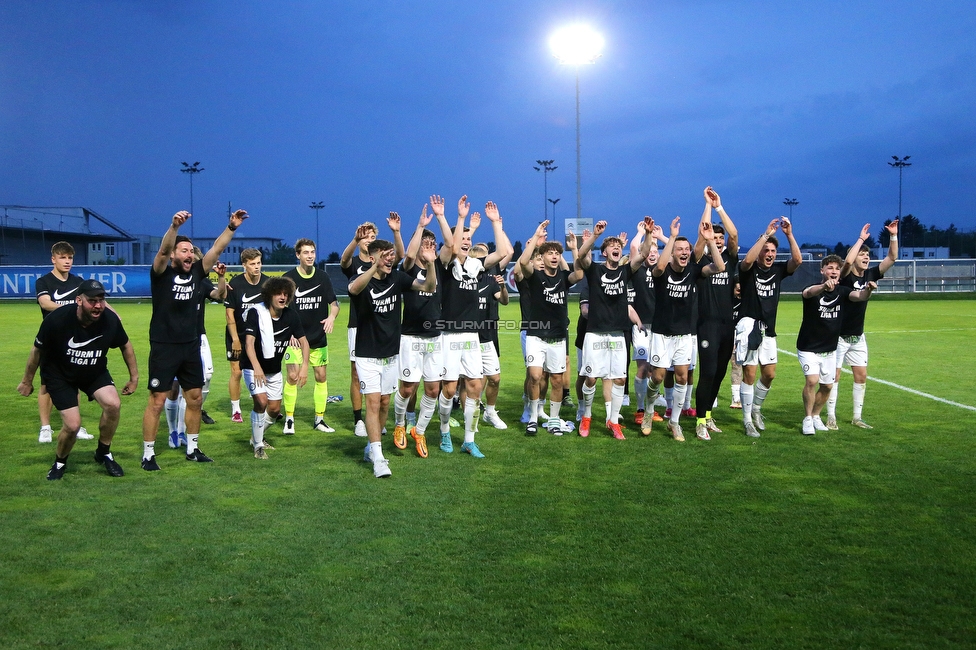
(529, 359)
(251, 385)
(406, 372)
(656, 358)
(465, 345)
(154, 383)
(608, 345)
(704, 345)
(362, 385)
(419, 346)
(589, 369)
(641, 352)
(806, 368)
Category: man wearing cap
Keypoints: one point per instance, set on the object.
(71, 350)
(174, 332)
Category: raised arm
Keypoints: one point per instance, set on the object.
(796, 257)
(503, 248)
(437, 207)
(665, 257)
(220, 291)
(413, 248)
(854, 250)
(447, 254)
(892, 256)
(352, 248)
(645, 226)
(584, 260)
(429, 285)
(525, 259)
(706, 234)
(169, 241)
(212, 255)
(394, 223)
(358, 285)
(700, 245)
(753, 253)
(731, 233)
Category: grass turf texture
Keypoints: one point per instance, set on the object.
(849, 538)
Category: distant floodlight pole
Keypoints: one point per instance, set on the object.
(554, 202)
(545, 166)
(192, 170)
(901, 164)
(317, 205)
(791, 203)
(577, 45)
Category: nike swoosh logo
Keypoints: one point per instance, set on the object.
(766, 281)
(80, 344)
(281, 331)
(381, 293)
(549, 289)
(482, 289)
(605, 280)
(179, 280)
(61, 296)
(673, 281)
(361, 270)
(421, 276)
(829, 302)
(299, 294)
(247, 298)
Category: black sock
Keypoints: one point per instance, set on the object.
(102, 449)
(58, 459)
(357, 416)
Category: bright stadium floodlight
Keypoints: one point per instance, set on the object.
(576, 45)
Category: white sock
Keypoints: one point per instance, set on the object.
(191, 442)
(640, 390)
(470, 406)
(490, 409)
(427, 406)
(172, 408)
(533, 410)
(444, 407)
(257, 429)
(679, 398)
(736, 393)
(554, 409)
(689, 391)
(669, 397)
(859, 399)
(616, 400)
(235, 406)
(746, 392)
(375, 451)
(204, 392)
(760, 396)
(832, 402)
(588, 393)
(148, 450)
(399, 408)
(181, 414)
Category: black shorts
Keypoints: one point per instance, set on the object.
(174, 360)
(228, 342)
(64, 394)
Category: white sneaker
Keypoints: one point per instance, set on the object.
(818, 424)
(660, 401)
(751, 429)
(45, 435)
(758, 419)
(361, 428)
(381, 468)
(701, 432)
(626, 401)
(493, 419)
(832, 424)
(289, 428)
(808, 428)
(320, 425)
(861, 424)
(84, 435)
(567, 426)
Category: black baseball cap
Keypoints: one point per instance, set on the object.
(92, 289)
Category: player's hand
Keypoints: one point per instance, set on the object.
(425, 218)
(785, 226)
(872, 285)
(865, 232)
(25, 388)
(238, 218)
(393, 221)
(437, 205)
(829, 285)
(475, 221)
(235, 350)
(130, 386)
(675, 227)
(220, 269)
(599, 228)
(463, 207)
(657, 232)
(327, 325)
(362, 233)
(259, 378)
(772, 228)
(712, 197)
(586, 234)
(180, 218)
(705, 231)
(623, 239)
(491, 211)
(500, 280)
(302, 376)
(540, 232)
(892, 228)
(571, 243)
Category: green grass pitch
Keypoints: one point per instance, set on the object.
(850, 538)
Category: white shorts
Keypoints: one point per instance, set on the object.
(823, 364)
(462, 356)
(640, 343)
(548, 354)
(377, 375)
(853, 350)
(522, 336)
(489, 360)
(670, 351)
(766, 353)
(206, 357)
(273, 385)
(421, 357)
(604, 356)
(351, 342)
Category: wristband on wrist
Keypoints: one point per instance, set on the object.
(894, 238)
(231, 227)
(719, 208)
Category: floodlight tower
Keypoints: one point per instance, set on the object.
(317, 205)
(791, 203)
(901, 164)
(192, 170)
(545, 166)
(577, 45)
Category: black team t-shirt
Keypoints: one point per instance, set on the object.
(378, 311)
(715, 291)
(644, 298)
(550, 312)
(241, 296)
(175, 304)
(459, 294)
(206, 288)
(314, 296)
(608, 298)
(760, 292)
(356, 268)
(287, 325)
(582, 322)
(62, 292)
(487, 303)
(74, 354)
(676, 295)
(421, 310)
(820, 327)
(852, 317)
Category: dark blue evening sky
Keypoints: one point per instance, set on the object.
(373, 106)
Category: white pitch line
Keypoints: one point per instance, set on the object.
(944, 329)
(904, 388)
